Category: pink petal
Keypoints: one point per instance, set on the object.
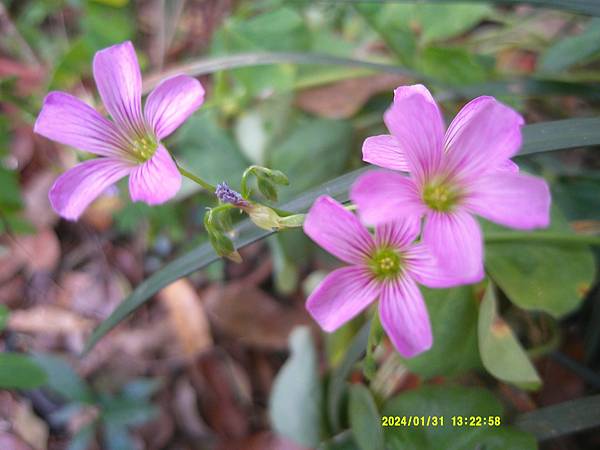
(399, 233)
(155, 181)
(404, 317)
(416, 122)
(119, 82)
(75, 189)
(385, 196)
(515, 200)
(482, 136)
(172, 102)
(66, 119)
(342, 295)
(338, 231)
(455, 240)
(424, 268)
(384, 151)
(508, 166)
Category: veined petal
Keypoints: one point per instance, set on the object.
(342, 295)
(399, 233)
(385, 196)
(172, 102)
(155, 181)
(384, 151)
(482, 136)
(423, 267)
(416, 122)
(455, 240)
(66, 119)
(514, 200)
(119, 82)
(75, 189)
(404, 317)
(338, 231)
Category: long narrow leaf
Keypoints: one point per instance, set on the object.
(562, 419)
(524, 86)
(589, 7)
(541, 137)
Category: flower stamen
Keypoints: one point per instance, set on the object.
(441, 196)
(386, 263)
(144, 148)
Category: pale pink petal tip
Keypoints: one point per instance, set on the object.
(404, 317)
(172, 102)
(384, 196)
(119, 82)
(75, 189)
(155, 181)
(338, 231)
(341, 296)
(384, 151)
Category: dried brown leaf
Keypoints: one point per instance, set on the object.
(251, 316)
(345, 98)
(187, 317)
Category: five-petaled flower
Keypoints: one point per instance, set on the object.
(128, 145)
(386, 266)
(465, 171)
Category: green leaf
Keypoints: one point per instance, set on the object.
(296, 398)
(4, 312)
(501, 352)
(18, 371)
(454, 65)
(453, 314)
(337, 387)
(562, 419)
(590, 7)
(539, 137)
(448, 402)
(573, 49)
(534, 275)
(122, 411)
(364, 419)
(320, 144)
(63, 379)
(442, 22)
(204, 147)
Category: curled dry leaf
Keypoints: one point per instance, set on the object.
(187, 317)
(345, 98)
(49, 319)
(30, 427)
(225, 393)
(185, 406)
(251, 316)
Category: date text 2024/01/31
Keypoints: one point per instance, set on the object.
(440, 421)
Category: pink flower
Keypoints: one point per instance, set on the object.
(385, 267)
(454, 175)
(128, 145)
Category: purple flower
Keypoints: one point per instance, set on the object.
(454, 175)
(128, 145)
(385, 266)
(227, 195)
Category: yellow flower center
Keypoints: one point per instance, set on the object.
(441, 196)
(385, 263)
(144, 148)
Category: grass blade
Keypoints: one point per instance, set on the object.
(547, 136)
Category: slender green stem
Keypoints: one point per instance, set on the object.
(206, 185)
(551, 238)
